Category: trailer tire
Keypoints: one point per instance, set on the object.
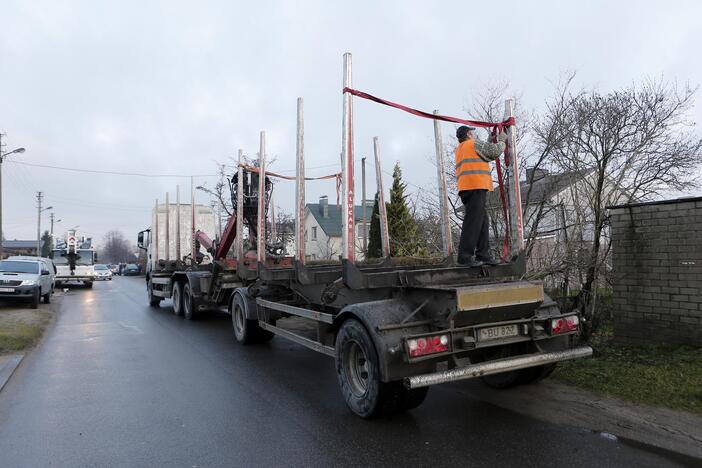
(536, 374)
(358, 372)
(190, 302)
(246, 331)
(88, 284)
(177, 298)
(154, 301)
(507, 379)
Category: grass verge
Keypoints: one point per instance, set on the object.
(654, 375)
(20, 329)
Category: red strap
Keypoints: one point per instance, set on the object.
(427, 115)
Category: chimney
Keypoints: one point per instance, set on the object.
(324, 206)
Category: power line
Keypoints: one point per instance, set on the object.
(94, 171)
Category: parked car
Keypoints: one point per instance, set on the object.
(27, 280)
(48, 263)
(102, 273)
(131, 270)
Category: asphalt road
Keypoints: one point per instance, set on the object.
(116, 383)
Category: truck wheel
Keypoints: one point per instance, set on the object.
(535, 374)
(88, 284)
(154, 301)
(190, 303)
(35, 298)
(47, 297)
(358, 371)
(246, 331)
(177, 297)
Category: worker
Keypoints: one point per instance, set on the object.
(474, 182)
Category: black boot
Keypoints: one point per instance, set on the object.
(488, 261)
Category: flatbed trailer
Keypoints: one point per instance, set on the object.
(393, 329)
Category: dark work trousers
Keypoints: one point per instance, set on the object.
(475, 231)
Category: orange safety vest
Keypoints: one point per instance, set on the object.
(472, 172)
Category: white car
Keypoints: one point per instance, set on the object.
(27, 280)
(48, 263)
(102, 273)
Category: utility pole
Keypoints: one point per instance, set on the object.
(39, 198)
(3, 155)
(51, 217)
(363, 206)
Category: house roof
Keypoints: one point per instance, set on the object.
(19, 244)
(332, 224)
(543, 188)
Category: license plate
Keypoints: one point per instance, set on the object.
(7, 289)
(495, 333)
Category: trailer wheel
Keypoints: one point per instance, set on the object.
(190, 303)
(502, 380)
(358, 371)
(536, 374)
(154, 301)
(177, 297)
(88, 284)
(246, 331)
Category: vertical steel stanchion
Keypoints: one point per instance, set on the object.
(446, 239)
(156, 254)
(347, 189)
(300, 186)
(274, 228)
(177, 249)
(261, 225)
(193, 253)
(240, 212)
(363, 207)
(168, 229)
(515, 206)
(382, 211)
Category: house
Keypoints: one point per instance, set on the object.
(323, 229)
(19, 247)
(558, 221)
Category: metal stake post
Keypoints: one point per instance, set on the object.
(274, 228)
(193, 257)
(178, 223)
(261, 225)
(168, 229)
(155, 260)
(515, 207)
(446, 240)
(382, 211)
(347, 189)
(300, 186)
(363, 207)
(240, 212)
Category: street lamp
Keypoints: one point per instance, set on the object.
(2, 158)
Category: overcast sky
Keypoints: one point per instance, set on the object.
(172, 87)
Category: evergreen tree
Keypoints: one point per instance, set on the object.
(401, 225)
(47, 244)
(375, 247)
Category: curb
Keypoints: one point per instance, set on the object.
(8, 364)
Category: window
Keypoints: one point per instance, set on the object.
(361, 230)
(314, 233)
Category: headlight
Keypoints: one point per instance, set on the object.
(28, 283)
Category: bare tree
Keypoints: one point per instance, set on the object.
(116, 248)
(626, 145)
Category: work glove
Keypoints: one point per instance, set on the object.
(502, 136)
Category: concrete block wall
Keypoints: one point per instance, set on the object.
(657, 272)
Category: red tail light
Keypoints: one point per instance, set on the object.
(422, 346)
(565, 324)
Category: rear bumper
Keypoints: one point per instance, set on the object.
(496, 367)
(66, 279)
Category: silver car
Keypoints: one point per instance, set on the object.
(27, 280)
